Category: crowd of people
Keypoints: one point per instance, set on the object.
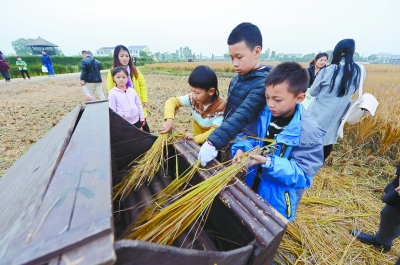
(47, 66)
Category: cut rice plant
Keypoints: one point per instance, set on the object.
(146, 165)
(187, 207)
(162, 198)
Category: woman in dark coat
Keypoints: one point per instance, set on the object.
(389, 226)
(4, 68)
(317, 64)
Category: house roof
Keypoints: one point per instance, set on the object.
(395, 57)
(41, 42)
(106, 48)
(137, 47)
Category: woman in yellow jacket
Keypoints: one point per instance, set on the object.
(135, 78)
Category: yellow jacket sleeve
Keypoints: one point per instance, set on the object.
(171, 105)
(110, 81)
(141, 90)
(201, 138)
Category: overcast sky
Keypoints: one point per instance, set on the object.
(287, 26)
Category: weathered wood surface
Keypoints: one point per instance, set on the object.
(78, 196)
(25, 183)
(132, 252)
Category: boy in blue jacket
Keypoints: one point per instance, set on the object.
(246, 90)
(280, 178)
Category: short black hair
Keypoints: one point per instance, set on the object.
(292, 73)
(119, 69)
(248, 33)
(19, 57)
(85, 51)
(205, 78)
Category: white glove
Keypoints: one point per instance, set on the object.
(207, 153)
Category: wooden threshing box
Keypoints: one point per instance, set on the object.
(57, 208)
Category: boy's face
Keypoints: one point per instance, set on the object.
(243, 59)
(201, 96)
(280, 101)
(19, 59)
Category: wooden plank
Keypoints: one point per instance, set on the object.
(44, 251)
(96, 203)
(80, 192)
(134, 252)
(25, 183)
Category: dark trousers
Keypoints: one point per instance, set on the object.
(327, 150)
(5, 75)
(23, 72)
(137, 124)
(389, 226)
(146, 127)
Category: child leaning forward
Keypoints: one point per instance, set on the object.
(207, 107)
(281, 177)
(123, 100)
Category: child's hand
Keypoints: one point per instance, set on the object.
(145, 104)
(167, 126)
(257, 159)
(189, 136)
(397, 190)
(143, 123)
(237, 157)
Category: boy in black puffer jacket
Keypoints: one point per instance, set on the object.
(246, 94)
(389, 227)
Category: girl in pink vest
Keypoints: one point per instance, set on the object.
(124, 100)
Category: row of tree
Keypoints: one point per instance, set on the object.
(185, 53)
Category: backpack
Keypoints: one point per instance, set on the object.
(363, 106)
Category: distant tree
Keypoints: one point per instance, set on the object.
(20, 48)
(329, 52)
(227, 56)
(308, 57)
(60, 52)
(273, 54)
(158, 56)
(143, 54)
(201, 56)
(267, 53)
(357, 57)
(373, 57)
(90, 53)
(212, 56)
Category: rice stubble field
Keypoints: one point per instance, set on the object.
(345, 193)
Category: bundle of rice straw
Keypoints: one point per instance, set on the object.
(188, 206)
(162, 198)
(146, 165)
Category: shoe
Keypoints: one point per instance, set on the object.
(370, 240)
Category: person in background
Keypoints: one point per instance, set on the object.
(334, 85)
(123, 58)
(46, 61)
(282, 176)
(22, 67)
(316, 65)
(91, 76)
(4, 68)
(207, 107)
(246, 91)
(123, 99)
(389, 226)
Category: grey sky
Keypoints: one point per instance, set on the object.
(288, 26)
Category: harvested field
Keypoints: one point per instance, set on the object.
(345, 194)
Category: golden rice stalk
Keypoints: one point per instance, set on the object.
(187, 207)
(146, 165)
(161, 199)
